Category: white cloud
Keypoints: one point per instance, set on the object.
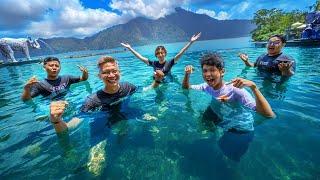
(222, 15)
(54, 18)
(207, 12)
(17, 13)
(243, 6)
(67, 18)
(146, 8)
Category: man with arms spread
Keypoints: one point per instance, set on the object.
(274, 62)
(54, 85)
(237, 123)
(213, 71)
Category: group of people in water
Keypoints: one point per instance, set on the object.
(212, 65)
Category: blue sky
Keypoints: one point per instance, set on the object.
(81, 18)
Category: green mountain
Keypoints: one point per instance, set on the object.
(178, 26)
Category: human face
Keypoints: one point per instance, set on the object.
(212, 76)
(52, 68)
(110, 74)
(274, 46)
(161, 54)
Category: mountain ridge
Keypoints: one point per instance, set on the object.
(175, 27)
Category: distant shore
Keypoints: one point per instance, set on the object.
(39, 60)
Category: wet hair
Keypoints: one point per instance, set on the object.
(212, 59)
(158, 48)
(50, 58)
(281, 37)
(106, 59)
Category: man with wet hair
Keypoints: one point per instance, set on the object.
(106, 99)
(237, 122)
(213, 71)
(274, 61)
(53, 86)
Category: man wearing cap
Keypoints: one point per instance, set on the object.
(53, 86)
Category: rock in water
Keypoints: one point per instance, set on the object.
(97, 158)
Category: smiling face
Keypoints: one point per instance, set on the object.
(274, 46)
(160, 53)
(110, 74)
(53, 69)
(212, 76)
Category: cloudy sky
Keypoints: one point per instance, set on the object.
(80, 18)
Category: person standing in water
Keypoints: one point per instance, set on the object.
(54, 85)
(160, 53)
(274, 61)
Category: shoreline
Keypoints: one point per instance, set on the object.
(39, 60)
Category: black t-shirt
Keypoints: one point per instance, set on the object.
(53, 88)
(269, 64)
(105, 102)
(165, 67)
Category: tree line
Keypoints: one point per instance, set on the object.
(277, 21)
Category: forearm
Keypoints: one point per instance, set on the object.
(84, 76)
(26, 94)
(287, 73)
(155, 84)
(185, 82)
(139, 56)
(262, 105)
(59, 125)
(182, 51)
(248, 63)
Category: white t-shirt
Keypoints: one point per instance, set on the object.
(232, 117)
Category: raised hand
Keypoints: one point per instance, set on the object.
(56, 110)
(126, 45)
(285, 67)
(240, 83)
(223, 98)
(188, 69)
(83, 69)
(244, 57)
(195, 37)
(33, 80)
(158, 75)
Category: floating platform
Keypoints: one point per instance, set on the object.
(295, 43)
(20, 63)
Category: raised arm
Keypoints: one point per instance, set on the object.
(56, 111)
(85, 73)
(193, 39)
(158, 77)
(185, 83)
(245, 59)
(26, 94)
(139, 56)
(262, 105)
(286, 68)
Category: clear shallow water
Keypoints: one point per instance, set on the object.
(178, 144)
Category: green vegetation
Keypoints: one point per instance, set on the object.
(276, 21)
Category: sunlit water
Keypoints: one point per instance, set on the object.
(176, 143)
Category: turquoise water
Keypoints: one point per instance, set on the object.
(176, 143)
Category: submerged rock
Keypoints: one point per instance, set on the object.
(97, 158)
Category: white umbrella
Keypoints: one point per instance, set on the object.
(302, 26)
(295, 25)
